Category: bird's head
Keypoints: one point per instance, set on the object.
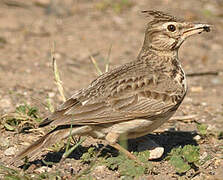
(166, 33)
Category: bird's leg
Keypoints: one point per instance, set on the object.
(127, 153)
(112, 139)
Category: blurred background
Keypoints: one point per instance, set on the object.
(102, 29)
(97, 28)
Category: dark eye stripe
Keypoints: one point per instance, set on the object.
(171, 27)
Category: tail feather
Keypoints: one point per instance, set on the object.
(49, 139)
(46, 141)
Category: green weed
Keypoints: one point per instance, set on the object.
(25, 116)
(202, 129)
(183, 159)
(125, 166)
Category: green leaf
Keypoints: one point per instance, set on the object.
(129, 168)
(143, 156)
(9, 127)
(114, 162)
(32, 112)
(126, 167)
(191, 153)
(21, 109)
(174, 152)
(87, 157)
(202, 128)
(180, 165)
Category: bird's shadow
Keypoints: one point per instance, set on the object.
(167, 139)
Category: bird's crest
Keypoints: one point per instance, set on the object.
(159, 16)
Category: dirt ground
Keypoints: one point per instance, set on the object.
(82, 28)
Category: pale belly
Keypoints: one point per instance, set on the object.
(132, 129)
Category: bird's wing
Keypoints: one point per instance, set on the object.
(113, 99)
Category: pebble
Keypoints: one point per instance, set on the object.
(42, 169)
(196, 89)
(156, 153)
(10, 151)
(155, 150)
(197, 137)
(51, 94)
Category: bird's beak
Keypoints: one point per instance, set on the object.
(190, 29)
(195, 29)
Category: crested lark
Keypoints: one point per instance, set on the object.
(133, 99)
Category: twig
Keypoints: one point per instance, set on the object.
(208, 73)
(17, 3)
(181, 118)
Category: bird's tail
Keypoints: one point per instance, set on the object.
(56, 135)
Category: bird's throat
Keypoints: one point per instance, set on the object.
(159, 53)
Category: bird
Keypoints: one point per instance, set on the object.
(131, 100)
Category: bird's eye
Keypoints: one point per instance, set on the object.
(171, 28)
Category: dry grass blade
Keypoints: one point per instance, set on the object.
(96, 65)
(108, 59)
(50, 105)
(184, 118)
(57, 75)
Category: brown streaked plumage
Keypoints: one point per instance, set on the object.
(133, 99)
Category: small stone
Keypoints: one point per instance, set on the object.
(155, 150)
(196, 89)
(42, 169)
(204, 104)
(51, 94)
(10, 151)
(156, 153)
(197, 137)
